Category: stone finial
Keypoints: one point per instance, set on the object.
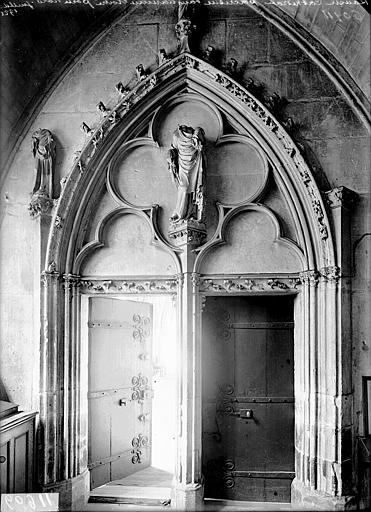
(121, 89)
(112, 115)
(141, 73)
(102, 109)
(162, 57)
(86, 130)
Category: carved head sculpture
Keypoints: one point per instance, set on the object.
(43, 144)
(183, 28)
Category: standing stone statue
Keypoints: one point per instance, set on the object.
(43, 149)
(187, 166)
(186, 26)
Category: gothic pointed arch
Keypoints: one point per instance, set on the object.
(187, 75)
(304, 262)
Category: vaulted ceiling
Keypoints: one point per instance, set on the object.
(39, 45)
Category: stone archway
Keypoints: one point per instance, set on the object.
(317, 264)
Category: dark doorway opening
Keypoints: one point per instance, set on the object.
(248, 397)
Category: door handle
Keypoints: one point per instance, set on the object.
(123, 401)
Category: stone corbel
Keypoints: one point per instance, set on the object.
(40, 204)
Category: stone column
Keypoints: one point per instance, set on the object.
(323, 387)
(340, 201)
(61, 435)
(188, 488)
(51, 386)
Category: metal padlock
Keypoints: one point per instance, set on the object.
(246, 413)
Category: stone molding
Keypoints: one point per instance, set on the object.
(247, 284)
(133, 286)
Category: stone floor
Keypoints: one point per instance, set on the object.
(149, 490)
(210, 505)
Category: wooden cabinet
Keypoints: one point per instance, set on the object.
(17, 435)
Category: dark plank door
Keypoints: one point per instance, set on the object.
(248, 398)
(120, 396)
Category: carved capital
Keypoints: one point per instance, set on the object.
(41, 204)
(180, 279)
(341, 197)
(332, 274)
(195, 278)
(309, 277)
(71, 281)
(49, 278)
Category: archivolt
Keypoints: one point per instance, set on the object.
(188, 74)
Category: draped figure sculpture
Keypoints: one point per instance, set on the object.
(43, 149)
(186, 164)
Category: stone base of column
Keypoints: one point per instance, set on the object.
(73, 493)
(304, 498)
(187, 497)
